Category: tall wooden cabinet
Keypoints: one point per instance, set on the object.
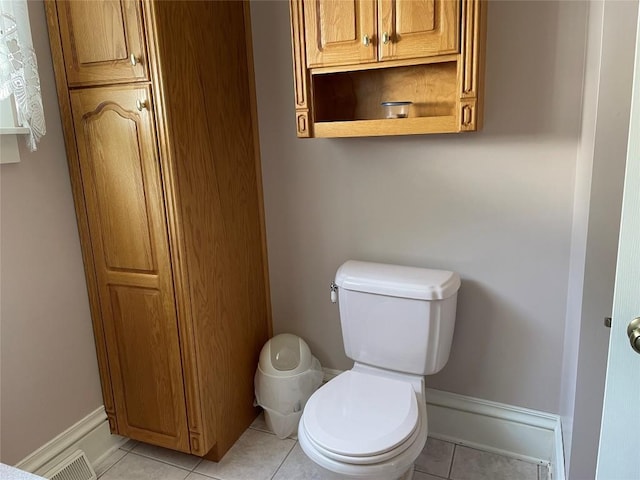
(351, 56)
(158, 108)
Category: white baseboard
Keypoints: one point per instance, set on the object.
(495, 427)
(508, 430)
(91, 435)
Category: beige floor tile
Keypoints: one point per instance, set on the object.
(179, 459)
(135, 467)
(425, 476)
(255, 456)
(472, 464)
(129, 445)
(260, 424)
(300, 467)
(197, 476)
(109, 461)
(436, 458)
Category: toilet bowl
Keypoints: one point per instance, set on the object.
(370, 422)
(366, 423)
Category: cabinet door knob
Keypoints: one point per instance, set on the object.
(366, 41)
(386, 38)
(141, 104)
(134, 60)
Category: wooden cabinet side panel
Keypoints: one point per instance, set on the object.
(301, 79)
(472, 64)
(81, 213)
(213, 184)
(98, 38)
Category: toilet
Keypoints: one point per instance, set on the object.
(370, 422)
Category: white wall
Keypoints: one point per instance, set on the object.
(48, 364)
(495, 206)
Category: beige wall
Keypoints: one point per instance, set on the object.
(48, 366)
(495, 206)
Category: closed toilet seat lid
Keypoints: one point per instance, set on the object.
(358, 414)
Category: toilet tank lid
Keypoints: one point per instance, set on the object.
(397, 281)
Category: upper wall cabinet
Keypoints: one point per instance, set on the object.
(103, 42)
(350, 56)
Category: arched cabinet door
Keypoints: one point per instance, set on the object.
(103, 42)
(122, 187)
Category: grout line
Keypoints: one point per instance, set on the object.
(196, 465)
(453, 456)
(283, 460)
(114, 463)
(161, 461)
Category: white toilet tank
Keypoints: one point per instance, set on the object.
(395, 317)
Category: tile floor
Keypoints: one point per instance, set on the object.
(260, 455)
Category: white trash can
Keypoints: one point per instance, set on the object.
(286, 377)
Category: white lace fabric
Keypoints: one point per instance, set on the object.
(19, 68)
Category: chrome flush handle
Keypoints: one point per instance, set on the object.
(334, 292)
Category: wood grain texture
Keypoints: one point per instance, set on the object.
(334, 30)
(418, 28)
(178, 284)
(300, 72)
(120, 173)
(420, 33)
(98, 38)
(376, 128)
(258, 163)
(357, 95)
(212, 164)
(55, 42)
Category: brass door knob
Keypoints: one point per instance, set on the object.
(633, 331)
(366, 40)
(141, 104)
(386, 38)
(134, 60)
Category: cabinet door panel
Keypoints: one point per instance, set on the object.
(334, 31)
(146, 350)
(98, 39)
(418, 28)
(121, 208)
(121, 182)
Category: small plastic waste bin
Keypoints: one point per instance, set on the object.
(286, 377)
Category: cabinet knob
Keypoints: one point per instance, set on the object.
(386, 38)
(141, 104)
(366, 40)
(134, 60)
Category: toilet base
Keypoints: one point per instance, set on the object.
(408, 475)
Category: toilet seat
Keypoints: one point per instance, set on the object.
(360, 418)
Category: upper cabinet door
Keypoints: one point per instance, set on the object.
(103, 41)
(340, 32)
(418, 28)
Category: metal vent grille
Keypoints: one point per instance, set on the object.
(74, 467)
